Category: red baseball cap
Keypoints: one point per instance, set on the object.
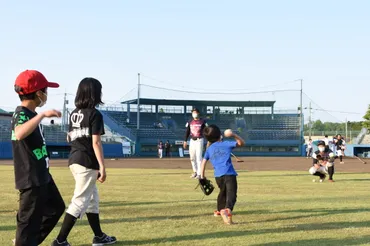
(31, 81)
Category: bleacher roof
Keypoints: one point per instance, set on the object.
(4, 113)
(151, 101)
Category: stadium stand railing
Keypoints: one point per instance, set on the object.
(265, 127)
(5, 130)
(360, 136)
(117, 122)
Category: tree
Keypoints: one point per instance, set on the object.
(366, 122)
(318, 125)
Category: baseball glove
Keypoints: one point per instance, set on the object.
(206, 186)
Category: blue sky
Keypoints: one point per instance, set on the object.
(207, 45)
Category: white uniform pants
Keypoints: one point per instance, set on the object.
(340, 152)
(85, 198)
(321, 169)
(196, 154)
(160, 153)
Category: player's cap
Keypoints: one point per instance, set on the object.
(30, 81)
(321, 143)
(195, 110)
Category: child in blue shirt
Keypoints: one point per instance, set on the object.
(219, 154)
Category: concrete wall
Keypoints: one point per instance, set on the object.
(62, 150)
(6, 150)
(361, 150)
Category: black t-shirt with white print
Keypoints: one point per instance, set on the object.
(83, 123)
(31, 159)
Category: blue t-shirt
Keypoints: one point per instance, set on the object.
(219, 153)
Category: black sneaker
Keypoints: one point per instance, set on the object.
(103, 240)
(56, 243)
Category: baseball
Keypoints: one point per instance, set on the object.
(228, 133)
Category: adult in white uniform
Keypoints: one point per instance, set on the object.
(194, 129)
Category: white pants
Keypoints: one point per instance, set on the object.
(340, 152)
(321, 169)
(160, 153)
(85, 198)
(196, 154)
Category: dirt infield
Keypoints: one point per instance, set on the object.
(250, 164)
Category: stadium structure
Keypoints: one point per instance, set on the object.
(137, 134)
(133, 133)
(267, 134)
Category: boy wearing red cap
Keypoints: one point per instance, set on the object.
(40, 203)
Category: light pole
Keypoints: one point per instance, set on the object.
(300, 106)
(138, 101)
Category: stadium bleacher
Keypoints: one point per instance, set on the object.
(148, 125)
(54, 134)
(252, 126)
(5, 133)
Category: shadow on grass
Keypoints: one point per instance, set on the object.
(312, 213)
(326, 210)
(323, 241)
(353, 180)
(279, 175)
(8, 228)
(150, 218)
(8, 211)
(124, 203)
(226, 234)
(149, 174)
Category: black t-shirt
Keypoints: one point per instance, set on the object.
(327, 155)
(31, 159)
(83, 123)
(339, 144)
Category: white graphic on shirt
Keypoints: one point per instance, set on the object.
(79, 133)
(76, 119)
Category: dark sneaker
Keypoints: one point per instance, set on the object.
(56, 243)
(104, 240)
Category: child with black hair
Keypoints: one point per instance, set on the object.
(219, 154)
(86, 162)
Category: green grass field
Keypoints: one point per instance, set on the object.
(161, 207)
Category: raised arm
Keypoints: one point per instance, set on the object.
(25, 129)
(239, 141)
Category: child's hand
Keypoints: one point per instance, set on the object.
(102, 175)
(52, 113)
